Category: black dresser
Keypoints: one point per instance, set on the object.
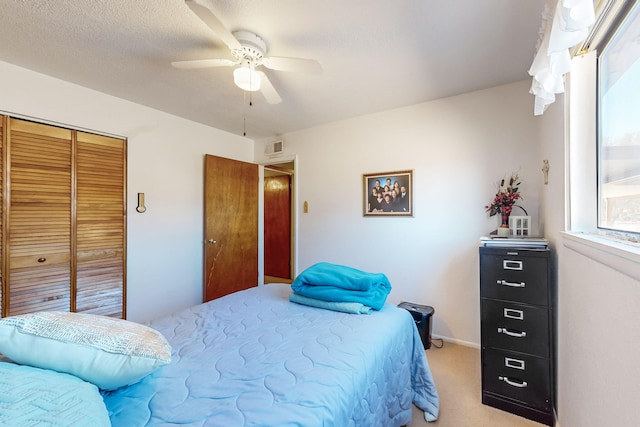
(517, 302)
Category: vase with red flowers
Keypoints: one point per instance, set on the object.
(504, 201)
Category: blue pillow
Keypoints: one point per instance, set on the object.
(105, 351)
(32, 396)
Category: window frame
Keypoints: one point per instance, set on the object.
(614, 16)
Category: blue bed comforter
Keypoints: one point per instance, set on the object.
(253, 358)
(339, 283)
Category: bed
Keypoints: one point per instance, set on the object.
(255, 358)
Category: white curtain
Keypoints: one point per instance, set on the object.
(565, 23)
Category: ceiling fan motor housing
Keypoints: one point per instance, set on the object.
(253, 47)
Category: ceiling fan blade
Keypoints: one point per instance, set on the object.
(300, 65)
(267, 89)
(208, 17)
(203, 63)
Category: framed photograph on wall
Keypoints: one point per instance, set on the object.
(388, 193)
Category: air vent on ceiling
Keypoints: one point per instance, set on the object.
(274, 147)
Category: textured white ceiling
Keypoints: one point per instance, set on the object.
(376, 54)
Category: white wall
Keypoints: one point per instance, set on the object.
(599, 342)
(165, 161)
(458, 149)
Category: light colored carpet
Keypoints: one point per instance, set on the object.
(456, 372)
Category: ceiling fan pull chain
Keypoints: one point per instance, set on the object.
(244, 112)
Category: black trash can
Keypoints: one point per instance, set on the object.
(422, 315)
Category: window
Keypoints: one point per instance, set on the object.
(585, 234)
(618, 109)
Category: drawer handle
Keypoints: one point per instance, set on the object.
(514, 363)
(511, 313)
(520, 384)
(512, 334)
(42, 259)
(511, 265)
(511, 284)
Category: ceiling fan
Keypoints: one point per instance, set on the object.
(248, 51)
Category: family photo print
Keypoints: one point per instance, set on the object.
(388, 194)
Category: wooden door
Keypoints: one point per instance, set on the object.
(3, 144)
(230, 226)
(277, 226)
(100, 225)
(38, 211)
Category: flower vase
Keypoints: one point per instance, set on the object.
(504, 230)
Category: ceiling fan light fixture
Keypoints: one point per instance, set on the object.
(246, 78)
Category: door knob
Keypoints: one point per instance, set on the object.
(211, 241)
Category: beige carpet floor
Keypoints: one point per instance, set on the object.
(456, 372)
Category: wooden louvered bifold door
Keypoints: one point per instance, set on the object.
(3, 143)
(62, 220)
(100, 224)
(39, 218)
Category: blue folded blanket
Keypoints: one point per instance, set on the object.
(345, 307)
(339, 283)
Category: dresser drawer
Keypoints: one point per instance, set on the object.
(523, 378)
(514, 275)
(516, 327)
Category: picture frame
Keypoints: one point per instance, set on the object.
(400, 204)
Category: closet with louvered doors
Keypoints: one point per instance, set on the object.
(63, 220)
